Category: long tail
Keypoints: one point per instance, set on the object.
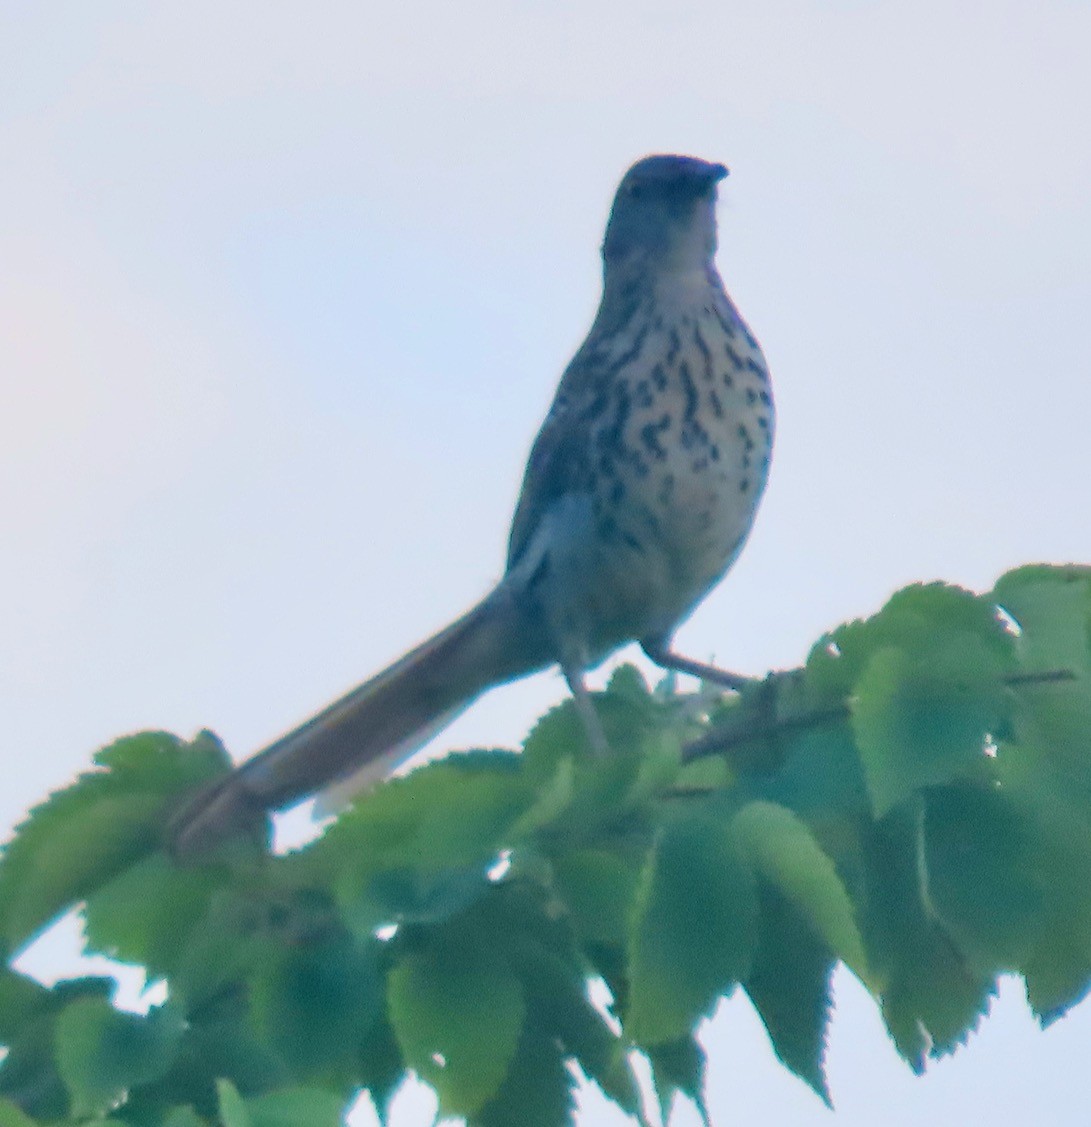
(369, 730)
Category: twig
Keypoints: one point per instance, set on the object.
(1049, 677)
(729, 737)
(744, 727)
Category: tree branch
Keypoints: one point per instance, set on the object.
(745, 725)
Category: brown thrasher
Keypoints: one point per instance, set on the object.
(640, 490)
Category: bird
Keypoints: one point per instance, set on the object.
(640, 490)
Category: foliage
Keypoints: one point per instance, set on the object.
(915, 802)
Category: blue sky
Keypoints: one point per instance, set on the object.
(285, 290)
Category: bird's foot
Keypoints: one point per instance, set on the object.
(585, 706)
(666, 658)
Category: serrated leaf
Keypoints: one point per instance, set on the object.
(556, 993)
(1052, 606)
(661, 762)
(693, 932)
(451, 811)
(921, 722)
(932, 999)
(790, 988)
(146, 914)
(84, 835)
(678, 1067)
(934, 1012)
(538, 1088)
(643, 752)
(557, 735)
(783, 850)
(627, 683)
(552, 800)
(103, 1052)
(457, 1017)
(821, 778)
(979, 863)
(1058, 968)
(911, 620)
(418, 847)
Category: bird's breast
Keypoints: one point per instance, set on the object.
(683, 444)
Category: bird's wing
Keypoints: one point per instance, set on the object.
(590, 406)
(561, 459)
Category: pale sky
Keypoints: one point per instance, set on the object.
(285, 290)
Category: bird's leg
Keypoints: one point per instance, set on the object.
(661, 653)
(592, 725)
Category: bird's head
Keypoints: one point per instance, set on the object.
(664, 215)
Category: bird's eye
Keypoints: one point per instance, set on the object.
(636, 191)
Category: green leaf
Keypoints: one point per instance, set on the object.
(382, 1069)
(315, 1003)
(1058, 969)
(83, 836)
(233, 1111)
(693, 932)
(916, 801)
(453, 811)
(627, 683)
(1043, 778)
(12, 1116)
(103, 1052)
(984, 878)
(934, 1010)
(556, 993)
(644, 751)
(789, 985)
(20, 999)
(1052, 606)
(228, 939)
(821, 778)
(1051, 728)
(417, 847)
(28, 1074)
(182, 1117)
(538, 1088)
(404, 895)
(552, 800)
(678, 1067)
(146, 914)
(457, 1016)
(931, 998)
(598, 887)
(911, 620)
(782, 849)
(226, 1048)
(296, 1107)
(924, 720)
